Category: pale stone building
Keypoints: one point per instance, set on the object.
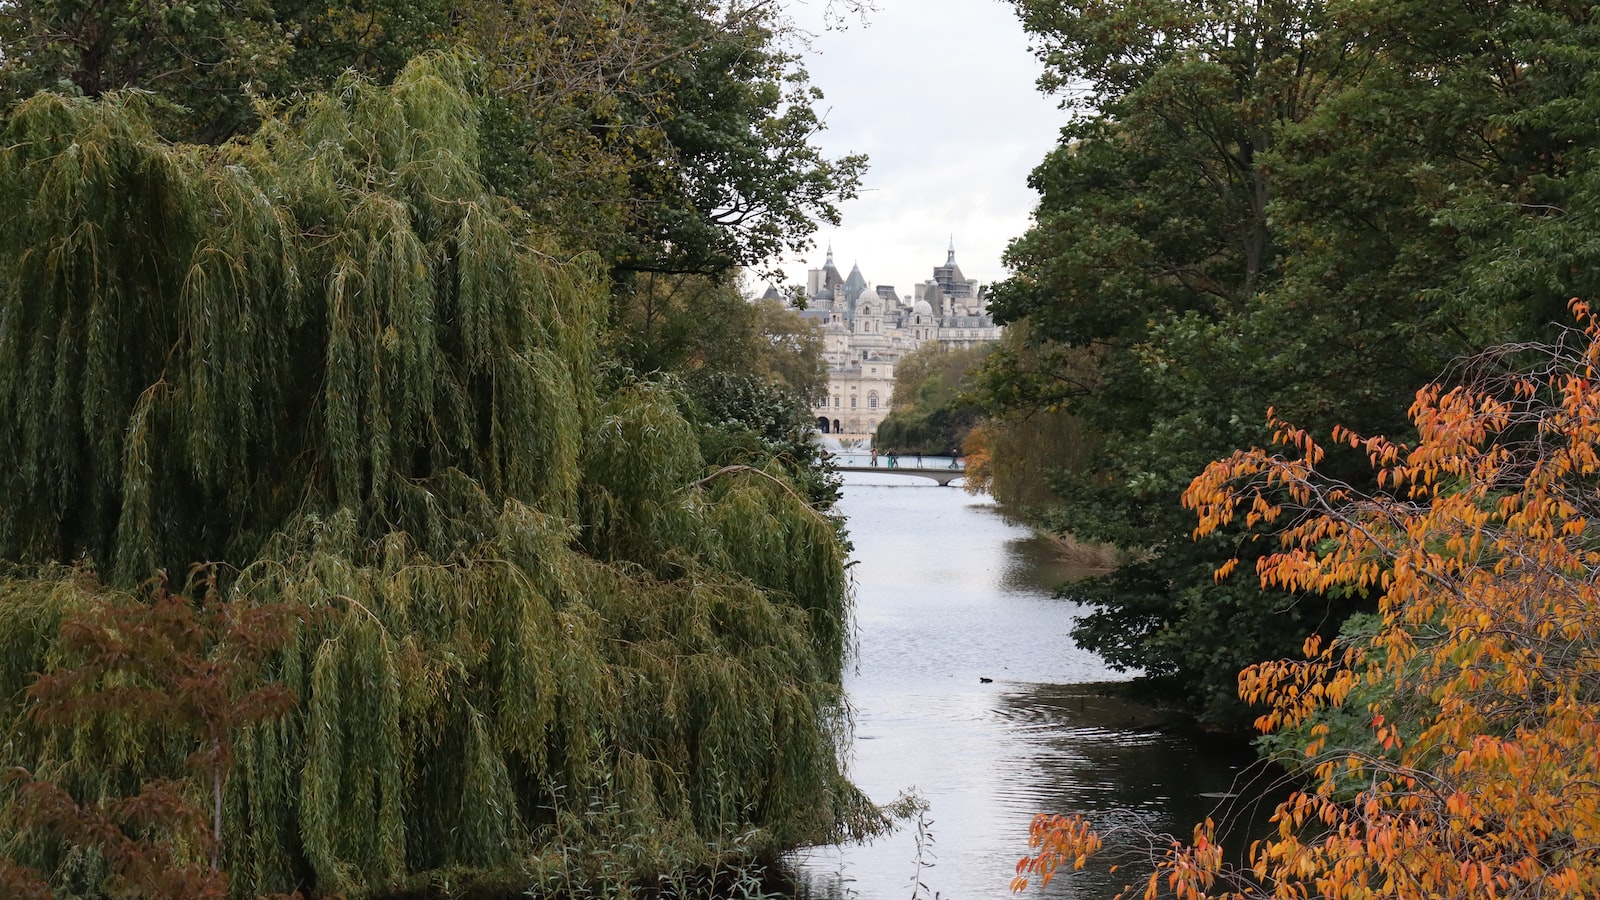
(867, 330)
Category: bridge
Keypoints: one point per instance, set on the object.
(942, 474)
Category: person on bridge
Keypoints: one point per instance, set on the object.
(892, 461)
(874, 457)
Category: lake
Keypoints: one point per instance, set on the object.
(968, 690)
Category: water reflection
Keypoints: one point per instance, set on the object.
(1034, 565)
(968, 689)
(1125, 768)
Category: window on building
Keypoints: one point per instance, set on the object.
(836, 403)
(872, 399)
(852, 403)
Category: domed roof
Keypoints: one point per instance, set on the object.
(922, 308)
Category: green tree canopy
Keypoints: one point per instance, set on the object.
(1310, 206)
(671, 136)
(930, 410)
(328, 364)
(1019, 451)
(203, 59)
(693, 323)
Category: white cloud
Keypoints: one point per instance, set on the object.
(940, 94)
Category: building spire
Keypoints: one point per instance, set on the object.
(830, 255)
(950, 260)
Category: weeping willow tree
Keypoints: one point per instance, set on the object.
(537, 640)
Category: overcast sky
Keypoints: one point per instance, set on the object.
(940, 94)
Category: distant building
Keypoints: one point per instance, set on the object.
(867, 330)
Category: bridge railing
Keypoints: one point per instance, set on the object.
(901, 461)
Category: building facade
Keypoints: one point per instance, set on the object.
(866, 330)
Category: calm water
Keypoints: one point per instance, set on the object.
(949, 592)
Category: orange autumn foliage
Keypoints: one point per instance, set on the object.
(975, 447)
(1482, 542)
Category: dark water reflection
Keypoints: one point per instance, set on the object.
(950, 593)
(1033, 564)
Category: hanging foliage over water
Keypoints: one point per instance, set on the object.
(331, 365)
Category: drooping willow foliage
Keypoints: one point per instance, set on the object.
(330, 363)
